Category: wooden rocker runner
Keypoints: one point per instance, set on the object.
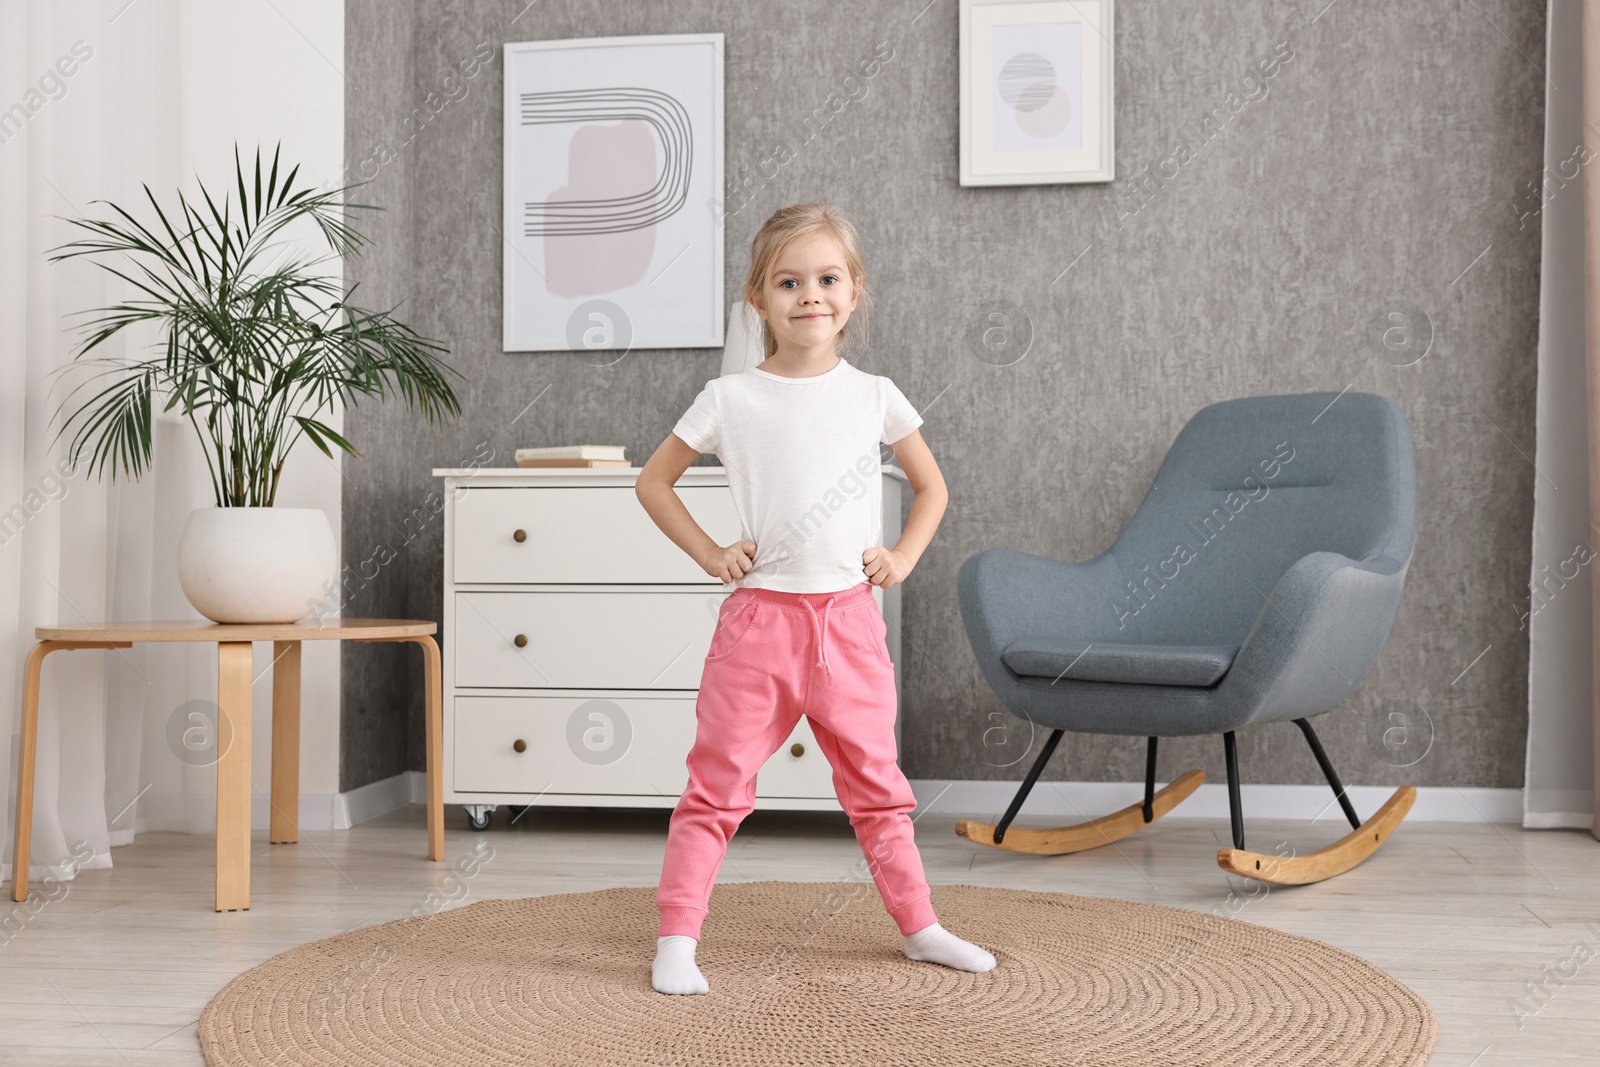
(1257, 582)
(1082, 836)
(1347, 852)
(1362, 841)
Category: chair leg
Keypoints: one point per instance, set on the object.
(1329, 773)
(1027, 785)
(1150, 781)
(1235, 807)
(1347, 852)
(1079, 837)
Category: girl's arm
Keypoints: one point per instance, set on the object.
(928, 503)
(654, 488)
(886, 568)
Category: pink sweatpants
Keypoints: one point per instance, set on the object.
(775, 656)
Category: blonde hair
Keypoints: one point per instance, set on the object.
(802, 220)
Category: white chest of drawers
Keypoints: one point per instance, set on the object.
(574, 634)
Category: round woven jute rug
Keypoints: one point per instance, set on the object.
(812, 973)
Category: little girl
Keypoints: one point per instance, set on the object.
(799, 435)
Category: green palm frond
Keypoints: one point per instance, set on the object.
(251, 355)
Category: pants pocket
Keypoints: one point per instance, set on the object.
(881, 643)
(734, 620)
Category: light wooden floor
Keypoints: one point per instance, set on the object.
(116, 971)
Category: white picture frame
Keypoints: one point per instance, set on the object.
(612, 196)
(1037, 101)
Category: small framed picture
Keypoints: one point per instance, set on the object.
(1036, 92)
(613, 194)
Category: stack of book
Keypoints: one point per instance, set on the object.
(573, 456)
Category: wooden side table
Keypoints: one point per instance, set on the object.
(234, 668)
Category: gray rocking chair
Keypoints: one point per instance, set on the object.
(1257, 582)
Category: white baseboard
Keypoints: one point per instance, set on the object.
(1079, 801)
(318, 811)
(985, 800)
(356, 806)
(190, 814)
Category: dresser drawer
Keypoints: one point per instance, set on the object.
(580, 534)
(584, 640)
(611, 745)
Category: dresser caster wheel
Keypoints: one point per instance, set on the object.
(478, 816)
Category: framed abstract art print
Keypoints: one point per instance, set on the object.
(1036, 92)
(612, 194)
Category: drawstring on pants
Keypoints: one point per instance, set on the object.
(821, 630)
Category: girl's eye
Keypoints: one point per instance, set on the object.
(785, 283)
(826, 277)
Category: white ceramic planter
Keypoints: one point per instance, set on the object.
(256, 564)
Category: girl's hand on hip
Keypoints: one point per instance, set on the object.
(731, 563)
(884, 566)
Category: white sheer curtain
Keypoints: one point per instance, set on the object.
(159, 90)
(93, 134)
(1560, 770)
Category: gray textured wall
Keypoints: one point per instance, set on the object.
(1388, 160)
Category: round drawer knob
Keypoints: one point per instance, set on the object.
(519, 745)
(521, 641)
(520, 536)
(797, 749)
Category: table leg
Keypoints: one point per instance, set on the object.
(22, 842)
(433, 725)
(433, 730)
(285, 743)
(234, 666)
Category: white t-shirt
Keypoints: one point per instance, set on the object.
(802, 456)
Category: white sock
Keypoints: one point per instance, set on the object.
(673, 970)
(935, 944)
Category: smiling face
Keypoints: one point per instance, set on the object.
(808, 295)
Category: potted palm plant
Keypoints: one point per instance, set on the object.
(255, 350)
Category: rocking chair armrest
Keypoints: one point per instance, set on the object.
(1005, 593)
(1319, 633)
